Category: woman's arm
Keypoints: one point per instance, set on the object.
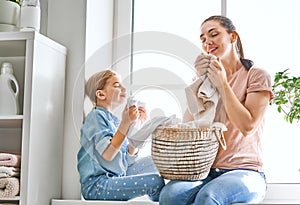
(245, 117)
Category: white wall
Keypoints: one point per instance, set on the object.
(66, 25)
(99, 34)
(65, 22)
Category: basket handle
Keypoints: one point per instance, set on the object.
(221, 139)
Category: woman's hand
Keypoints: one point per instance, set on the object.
(217, 74)
(202, 64)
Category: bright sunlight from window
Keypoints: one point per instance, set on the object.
(269, 32)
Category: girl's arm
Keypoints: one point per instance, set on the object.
(128, 117)
(143, 117)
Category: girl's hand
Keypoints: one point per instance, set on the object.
(143, 114)
(131, 114)
(132, 150)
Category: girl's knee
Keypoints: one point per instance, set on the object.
(157, 180)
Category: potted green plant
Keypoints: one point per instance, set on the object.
(286, 90)
(9, 15)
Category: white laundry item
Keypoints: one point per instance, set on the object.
(131, 101)
(219, 125)
(9, 171)
(193, 102)
(138, 139)
(202, 99)
(206, 90)
(192, 124)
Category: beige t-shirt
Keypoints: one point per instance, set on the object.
(242, 152)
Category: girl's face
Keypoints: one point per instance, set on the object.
(114, 91)
(215, 39)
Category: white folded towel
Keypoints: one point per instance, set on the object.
(9, 172)
(9, 187)
(10, 160)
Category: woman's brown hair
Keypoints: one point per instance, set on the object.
(227, 23)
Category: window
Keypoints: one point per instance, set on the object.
(268, 40)
(271, 40)
(166, 39)
(165, 43)
(145, 50)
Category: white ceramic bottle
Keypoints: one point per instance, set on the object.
(9, 91)
(30, 17)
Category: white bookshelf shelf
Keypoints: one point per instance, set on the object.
(37, 132)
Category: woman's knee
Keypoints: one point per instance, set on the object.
(206, 196)
(179, 192)
(167, 195)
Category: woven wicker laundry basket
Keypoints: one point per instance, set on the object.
(185, 153)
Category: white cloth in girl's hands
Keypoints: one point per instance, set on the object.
(138, 139)
(131, 101)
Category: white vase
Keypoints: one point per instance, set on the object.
(9, 15)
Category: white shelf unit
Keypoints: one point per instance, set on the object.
(37, 131)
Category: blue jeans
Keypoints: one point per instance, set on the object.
(221, 187)
(142, 178)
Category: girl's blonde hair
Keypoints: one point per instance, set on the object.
(97, 82)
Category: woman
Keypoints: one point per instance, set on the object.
(237, 175)
(107, 163)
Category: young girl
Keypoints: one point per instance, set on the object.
(107, 164)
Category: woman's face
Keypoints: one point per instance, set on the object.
(114, 90)
(215, 39)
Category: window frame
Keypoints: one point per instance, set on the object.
(123, 18)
